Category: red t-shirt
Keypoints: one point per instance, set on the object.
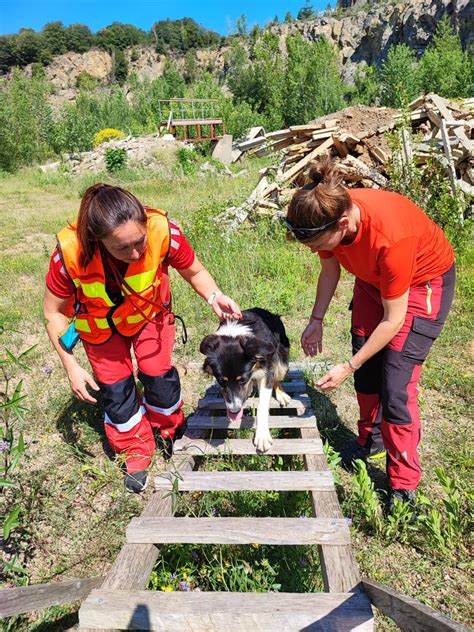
(397, 245)
(180, 256)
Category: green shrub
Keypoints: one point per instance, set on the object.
(115, 159)
(186, 160)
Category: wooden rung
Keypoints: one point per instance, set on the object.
(291, 386)
(246, 446)
(300, 403)
(274, 421)
(250, 481)
(217, 611)
(280, 531)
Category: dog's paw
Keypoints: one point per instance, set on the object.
(263, 440)
(282, 398)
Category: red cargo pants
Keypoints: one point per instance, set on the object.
(129, 418)
(387, 384)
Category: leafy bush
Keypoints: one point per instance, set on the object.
(12, 444)
(109, 133)
(26, 121)
(115, 159)
(85, 81)
(186, 160)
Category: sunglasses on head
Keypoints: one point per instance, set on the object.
(306, 233)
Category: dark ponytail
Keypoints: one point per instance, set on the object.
(103, 208)
(321, 201)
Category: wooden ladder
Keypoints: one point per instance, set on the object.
(343, 605)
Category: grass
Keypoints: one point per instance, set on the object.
(75, 509)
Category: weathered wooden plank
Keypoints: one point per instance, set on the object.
(241, 481)
(246, 446)
(301, 164)
(217, 403)
(249, 144)
(274, 421)
(408, 613)
(279, 134)
(15, 601)
(289, 385)
(338, 565)
(280, 531)
(215, 612)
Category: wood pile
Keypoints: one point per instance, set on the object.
(442, 130)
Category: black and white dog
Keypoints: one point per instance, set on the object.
(245, 352)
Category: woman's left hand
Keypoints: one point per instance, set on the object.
(335, 377)
(224, 307)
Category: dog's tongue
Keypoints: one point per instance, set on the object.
(235, 416)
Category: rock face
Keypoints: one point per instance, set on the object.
(366, 35)
(362, 36)
(65, 69)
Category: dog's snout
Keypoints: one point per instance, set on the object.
(234, 406)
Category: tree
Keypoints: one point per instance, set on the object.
(28, 47)
(120, 36)
(289, 18)
(306, 12)
(241, 25)
(7, 53)
(445, 68)
(191, 69)
(312, 85)
(182, 35)
(267, 78)
(367, 86)
(174, 82)
(54, 38)
(79, 38)
(120, 66)
(399, 76)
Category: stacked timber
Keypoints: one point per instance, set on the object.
(440, 129)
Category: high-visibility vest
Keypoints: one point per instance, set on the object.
(99, 316)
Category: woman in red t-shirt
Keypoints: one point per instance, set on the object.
(404, 287)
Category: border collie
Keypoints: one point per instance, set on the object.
(245, 352)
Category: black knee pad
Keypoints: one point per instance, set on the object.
(162, 391)
(120, 400)
(367, 379)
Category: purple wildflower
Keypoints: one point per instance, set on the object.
(47, 370)
(4, 446)
(348, 521)
(186, 586)
(303, 563)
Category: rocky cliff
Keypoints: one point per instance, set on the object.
(363, 35)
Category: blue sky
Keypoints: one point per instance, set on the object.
(219, 16)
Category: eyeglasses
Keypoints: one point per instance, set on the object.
(303, 234)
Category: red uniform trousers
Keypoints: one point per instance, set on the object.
(129, 418)
(387, 384)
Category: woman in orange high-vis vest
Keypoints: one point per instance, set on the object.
(109, 274)
(404, 287)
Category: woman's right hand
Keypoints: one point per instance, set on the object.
(78, 378)
(312, 338)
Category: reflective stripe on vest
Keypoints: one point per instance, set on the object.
(143, 276)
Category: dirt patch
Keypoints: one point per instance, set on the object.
(361, 119)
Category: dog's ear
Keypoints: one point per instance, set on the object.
(209, 344)
(257, 350)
